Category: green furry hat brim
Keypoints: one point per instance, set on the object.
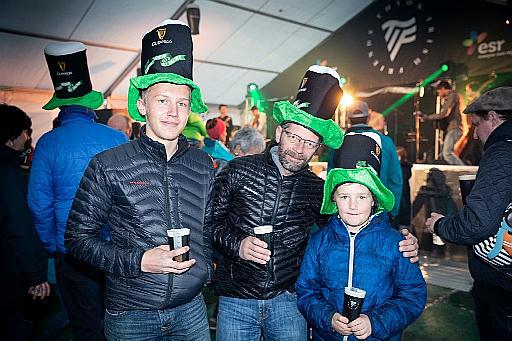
(93, 100)
(363, 175)
(331, 133)
(143, 82)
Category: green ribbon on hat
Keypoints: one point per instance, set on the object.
(331, 133)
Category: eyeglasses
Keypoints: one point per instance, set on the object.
(295, 139)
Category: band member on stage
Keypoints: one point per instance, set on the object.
(449, 119)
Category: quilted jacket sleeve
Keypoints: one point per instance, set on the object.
(207, 229)
(41, 196)
(406, 305)
(226, 238)
(310, 301)
(491, 194)
(89, 213)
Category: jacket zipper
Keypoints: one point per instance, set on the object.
(352, 247)
(351, 258)
(272, 221)
(168, 221)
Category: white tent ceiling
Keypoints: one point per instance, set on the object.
(239, 42)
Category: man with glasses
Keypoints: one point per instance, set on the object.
(256, 279)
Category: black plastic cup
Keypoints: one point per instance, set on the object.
(179, 238)
(264, 232)
(466, 183)
(353, 302)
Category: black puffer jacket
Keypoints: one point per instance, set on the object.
(140, 194)
(250, 192)
(481, 217)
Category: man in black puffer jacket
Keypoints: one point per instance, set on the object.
(256, 281)
(480, 218)
(142, 190)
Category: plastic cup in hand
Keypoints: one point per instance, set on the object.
(353, 302)
(179, 238)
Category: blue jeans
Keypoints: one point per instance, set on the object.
(186, 322)
(277, 319)
(451, 138)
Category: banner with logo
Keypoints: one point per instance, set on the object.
(402, 42)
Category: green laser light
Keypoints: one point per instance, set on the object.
(444, 67)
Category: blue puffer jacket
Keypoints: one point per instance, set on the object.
(395, 289)
(60, 159)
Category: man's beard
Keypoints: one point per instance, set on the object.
(291, 166)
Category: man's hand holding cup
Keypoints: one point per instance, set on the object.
(256, 249)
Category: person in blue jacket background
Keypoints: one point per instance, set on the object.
(60, 159)
(357, 248)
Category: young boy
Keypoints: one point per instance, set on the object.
(357, 248)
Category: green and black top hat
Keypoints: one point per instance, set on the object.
(358, 161)
(315, 104)
(67, 63)
(359, 147)
(166, 58)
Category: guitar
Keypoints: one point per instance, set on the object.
(471, 95)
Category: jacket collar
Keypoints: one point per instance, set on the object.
(156, 150)
(9, 155)
(72, 113)
(377, 223)
(502, 133)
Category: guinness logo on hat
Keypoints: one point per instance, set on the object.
(62, 66)
(161, 33)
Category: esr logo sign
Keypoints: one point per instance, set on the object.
(491, 47)
(484, 48)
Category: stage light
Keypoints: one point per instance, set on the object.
(193, 16)
(444, 67)
(346, 100)
(343, 80)
(252, 87)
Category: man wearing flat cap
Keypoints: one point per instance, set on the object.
(485, 214)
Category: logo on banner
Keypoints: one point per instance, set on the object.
(398, 33)
(485, 49)
(400, 38)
